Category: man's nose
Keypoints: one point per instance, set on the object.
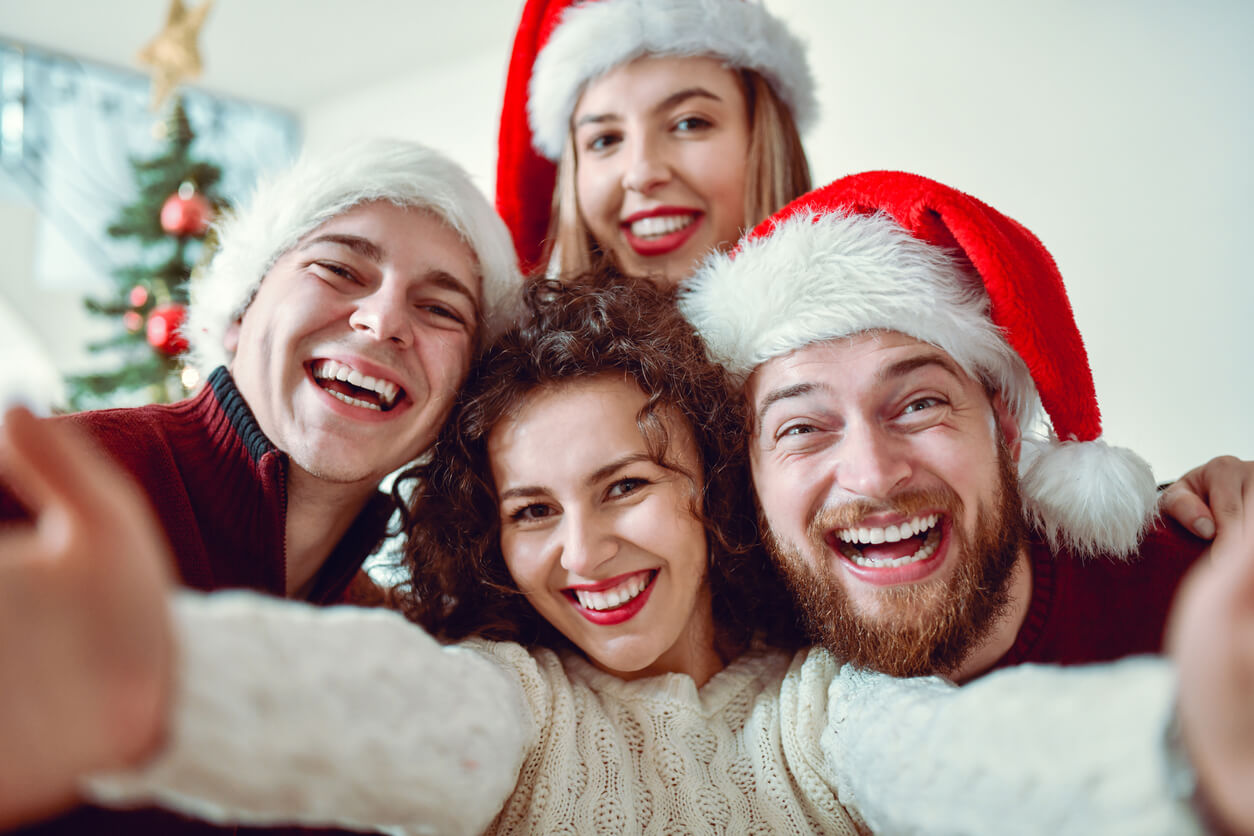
(872, 462)
(384, 315)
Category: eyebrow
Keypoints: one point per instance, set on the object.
(362, 246)
(898, 369)
(446, 280)
(773, 397)
(920, 361)
(369, 249)
(670, 101)
(596, 476)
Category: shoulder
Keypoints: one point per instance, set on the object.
(1166, 552)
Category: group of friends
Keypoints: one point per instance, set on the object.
(752, 509)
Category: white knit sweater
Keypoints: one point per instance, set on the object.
(356, 717)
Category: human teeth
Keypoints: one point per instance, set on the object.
(924, 552)
(891, 534)
(354, 401)
(334, 370)
(607, 599)
(660, 225)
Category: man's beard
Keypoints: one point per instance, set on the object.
(917, 631)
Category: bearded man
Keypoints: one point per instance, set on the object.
(900, 344)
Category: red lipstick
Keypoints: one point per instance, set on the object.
(661, 244)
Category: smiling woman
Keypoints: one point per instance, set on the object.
(661, 130)
(650, 464)
(656, 145)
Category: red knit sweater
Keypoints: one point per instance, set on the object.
(219, 488)
(1101, 608)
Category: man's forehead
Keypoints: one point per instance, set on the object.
(869, 355)
(379, 229)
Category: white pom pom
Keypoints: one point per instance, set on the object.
(1089, 496)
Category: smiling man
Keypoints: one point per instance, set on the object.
(339, 317)
(901, 345)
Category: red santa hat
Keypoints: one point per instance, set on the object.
(895, 251)
(563, 44)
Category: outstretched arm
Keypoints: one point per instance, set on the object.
(1212, 640)
(1032, 749)
(337, 716)
(85, 635)
(1209, 497)
(232, 707)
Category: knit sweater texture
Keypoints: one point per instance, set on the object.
(382, 728)
(1097, 609)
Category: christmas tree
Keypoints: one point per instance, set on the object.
(167, 220)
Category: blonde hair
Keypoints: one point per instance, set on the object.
(776, 166)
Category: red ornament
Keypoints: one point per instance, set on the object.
(138, 296)
(186, 212)
(133, 321)
(163, 329)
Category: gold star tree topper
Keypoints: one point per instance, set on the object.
(173, 54)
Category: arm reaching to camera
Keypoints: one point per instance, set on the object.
(1212, 640)
(84, 623)
(1209, 497)
(231, 707)
(1032, 750)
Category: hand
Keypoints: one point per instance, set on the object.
(1212, 640)
(1210, 496)
(86, 642)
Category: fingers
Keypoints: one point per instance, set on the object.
(53, 466)
(82, 501)
(1210, 497)
(1182, 503)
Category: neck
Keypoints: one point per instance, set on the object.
(1005, 629)
(318, 515)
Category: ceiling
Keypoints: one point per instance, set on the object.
(287, 53)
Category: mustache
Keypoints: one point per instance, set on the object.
(907, 504)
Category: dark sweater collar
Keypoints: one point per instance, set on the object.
(240, 416)
(1041, 604)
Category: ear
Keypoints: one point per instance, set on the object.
(230, 340)
(1008, 425)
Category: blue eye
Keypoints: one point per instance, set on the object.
(920, 405)
(601, 142)
(692, 123)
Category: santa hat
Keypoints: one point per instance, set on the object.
(895, 251)
(289, 206)
(563, 44)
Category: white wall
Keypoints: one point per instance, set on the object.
(1119, 131)
(453, 108)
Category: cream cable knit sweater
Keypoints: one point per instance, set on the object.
(356, 717)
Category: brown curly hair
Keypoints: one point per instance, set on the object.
(456, 581)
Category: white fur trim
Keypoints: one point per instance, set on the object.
(819, 277)
(822, 277)
(1089, 496)
(593, 38)
(292, 204)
